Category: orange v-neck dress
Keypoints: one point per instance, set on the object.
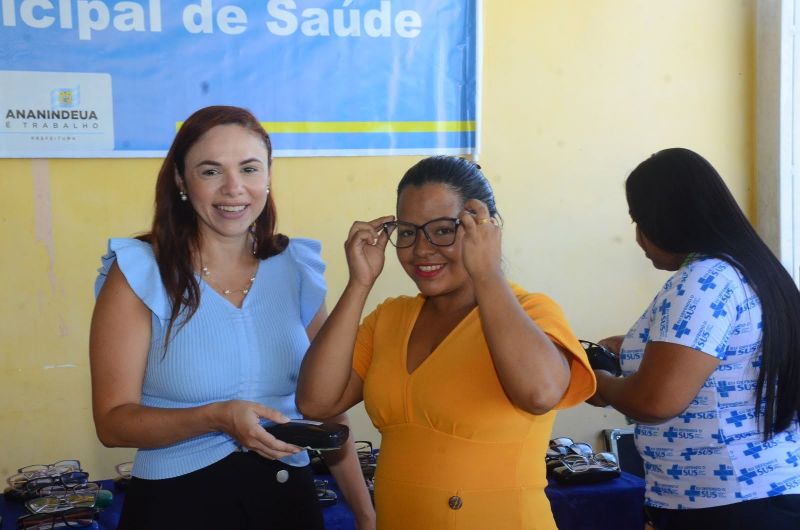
(455, 452)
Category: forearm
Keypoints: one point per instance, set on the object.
(626, 396)
(533, 371)
(134, 425)
(346, 470)
(327, 365)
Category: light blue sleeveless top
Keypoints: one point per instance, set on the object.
(223, 352)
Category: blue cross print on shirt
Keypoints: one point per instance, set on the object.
(753, 449)
(723, 388)
(658, 489)
(776, 489)
(692, 492)
(675, 472)
(747, 475)
(665, 305)
(719, 437)
(670, 435)
(737, 418)
(706, 283)
(719, 310)
(644, 335)
(680, 290)
(681, 329)
(688, 454)
(792, 459)
(648, 451)
(724, 472)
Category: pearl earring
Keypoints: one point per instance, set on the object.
(267, 189)
(183, 196)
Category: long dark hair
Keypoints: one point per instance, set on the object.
(460, 175)
(681, 204)
(174, 233)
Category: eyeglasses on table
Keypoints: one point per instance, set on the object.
(70, 479)
(71, 518)
(77, 498)
(27, 473)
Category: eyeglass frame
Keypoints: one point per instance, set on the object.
(61, 466)
(124, 470)
(78, 498)
(72, 478)
(576, 462)
(391, 226)
(19, 480)
(57, 490)
(39, 519)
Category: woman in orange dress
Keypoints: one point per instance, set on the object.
(463, 379)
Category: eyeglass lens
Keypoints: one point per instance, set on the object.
(124, 469)
(56, 491)
(66, 479)
(79, 499)
(62, 466)
(439, 232)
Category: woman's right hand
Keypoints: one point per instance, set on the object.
(613, 344)
(365, 249)
(241, 420)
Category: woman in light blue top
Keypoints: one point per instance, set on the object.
(197, 337)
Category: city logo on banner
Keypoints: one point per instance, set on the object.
(57, 111)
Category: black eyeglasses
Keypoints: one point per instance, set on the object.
(440, 232)
(68, 479)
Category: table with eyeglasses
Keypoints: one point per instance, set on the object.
(337, 516)
(615, 504)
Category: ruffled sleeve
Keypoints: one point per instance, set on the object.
(551, 320)
(138, 264)
(306, 255)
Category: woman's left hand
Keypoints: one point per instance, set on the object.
(481, 240)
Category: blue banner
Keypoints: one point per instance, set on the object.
(93, 78)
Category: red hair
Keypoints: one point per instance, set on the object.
(174, 232)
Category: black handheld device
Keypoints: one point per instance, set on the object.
(601, 358)
(310, 434)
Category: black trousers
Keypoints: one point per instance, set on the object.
(772, 513)
(241, 491)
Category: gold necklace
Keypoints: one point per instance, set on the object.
(243, 290)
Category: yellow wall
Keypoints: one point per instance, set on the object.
(576, 93)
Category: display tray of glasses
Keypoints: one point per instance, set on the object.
(56, 495)
(367, 458)
(569, 462)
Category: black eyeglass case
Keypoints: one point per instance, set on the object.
(310, 434)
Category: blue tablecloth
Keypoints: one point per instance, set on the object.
(615, 504)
